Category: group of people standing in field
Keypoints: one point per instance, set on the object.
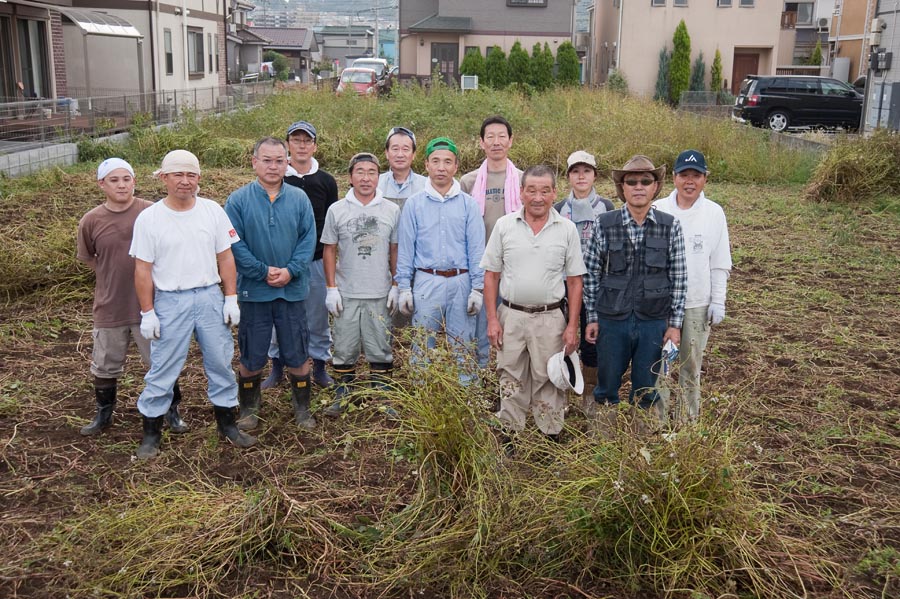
(566, 292)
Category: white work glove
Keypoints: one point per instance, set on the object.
(393, 300)
(475, 301)
(406, 302)
(149, 324)
(715, 313)
(333, 302)
(230, 311)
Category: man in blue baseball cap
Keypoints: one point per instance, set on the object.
(708, 256)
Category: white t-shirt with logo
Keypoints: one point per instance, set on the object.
(363, 236)
(706, 244)
(182, 246)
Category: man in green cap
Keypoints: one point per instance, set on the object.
(441, 240)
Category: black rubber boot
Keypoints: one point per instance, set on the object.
(380, 378)
(300, 393)
(149, 447)
(346, 377)
(106, 402)
(225, 422)
(249, 396)
(276, 375)
(320, 375)
(173, 418)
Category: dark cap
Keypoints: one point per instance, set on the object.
(690, 160)
(302, 126)
(362, 157)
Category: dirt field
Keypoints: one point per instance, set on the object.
(806, 365)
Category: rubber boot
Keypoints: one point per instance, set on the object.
(346, 377)
(149, 447)
(276, 375)
(173, 418)
(300, 392)
(380, 378)
(106, 403)
(225, 423)
(249, 396)
(320, 375)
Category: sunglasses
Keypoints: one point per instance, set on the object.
(645, 182)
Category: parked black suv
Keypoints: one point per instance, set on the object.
(783, 101)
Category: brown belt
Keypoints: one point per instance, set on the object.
(532, 309)
(453, 272)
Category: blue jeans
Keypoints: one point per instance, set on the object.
(182, 315)
(319, 340)
(634, 341)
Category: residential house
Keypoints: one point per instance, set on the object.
(848, 38)
(340, 45)
(243, 48)
(803, 26)
(438, 33)
(297, 44)
(628, 36)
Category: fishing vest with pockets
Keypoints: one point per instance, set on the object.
(624, 288)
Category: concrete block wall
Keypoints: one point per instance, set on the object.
(31, 161)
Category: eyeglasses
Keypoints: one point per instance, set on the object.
(644, 181)
(301, 141)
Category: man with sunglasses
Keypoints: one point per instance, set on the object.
(708, 255)
(321, 189)
(277, 232)
(635, 285)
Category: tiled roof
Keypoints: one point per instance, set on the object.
(285, 37)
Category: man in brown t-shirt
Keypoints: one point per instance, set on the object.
(104, 237)
(495, 186)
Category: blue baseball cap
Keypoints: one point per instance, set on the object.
(302, 126)
(690, 160)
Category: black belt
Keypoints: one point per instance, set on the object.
(453, 272)
(532, 309)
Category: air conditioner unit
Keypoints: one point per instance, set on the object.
(467, 82)
(824, 24)
(878, 25)
(582, 41)
(232, 28)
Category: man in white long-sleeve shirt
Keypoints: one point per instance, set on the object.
(708, 255)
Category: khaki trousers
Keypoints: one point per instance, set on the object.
(363, 324)
(528, 342)
(694, 336)
(111, 347)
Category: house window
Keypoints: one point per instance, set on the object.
(541, 3)
(216, 44)
(209, 50)
(170, 56)
(723, 3)
(746, 3)
(195, 51)
(680, 3)
(657, 2)
(7, 79)
(34, 58)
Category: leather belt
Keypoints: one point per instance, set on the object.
(532, 309)
(453, 272)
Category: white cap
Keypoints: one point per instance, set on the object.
(178, 161)
(580, 157)
(111, 164)
(565, 372)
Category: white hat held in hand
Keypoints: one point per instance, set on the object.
(565, 372)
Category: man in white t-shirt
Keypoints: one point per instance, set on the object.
(708, 256)
(362, 229)
(182, 251)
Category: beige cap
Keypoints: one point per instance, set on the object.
(178, 161)
(580, 157)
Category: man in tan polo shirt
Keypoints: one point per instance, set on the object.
(533, 258)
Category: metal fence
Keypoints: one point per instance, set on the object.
(26, 124)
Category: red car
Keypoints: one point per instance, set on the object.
(363, 81)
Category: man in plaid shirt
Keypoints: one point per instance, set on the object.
(635, 285)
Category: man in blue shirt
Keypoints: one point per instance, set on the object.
(442, 241)
(277, 231)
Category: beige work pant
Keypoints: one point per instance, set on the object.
(528, 342)
(111, 347)
(694, 336)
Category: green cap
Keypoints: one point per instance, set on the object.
(440, 143)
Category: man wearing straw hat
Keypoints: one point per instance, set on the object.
(635, 285)
(182, 250)
(534, 260)
(104, 236)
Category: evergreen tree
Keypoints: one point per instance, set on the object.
(550, 60)
(698, 74)
(815, 58)
(617, 82)
(662, 77)
(473, 64)
(569, 71)
(541, 68)
(496, 69)
(715, 73)
(680, 66)
(519, 64)
(280, 64)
